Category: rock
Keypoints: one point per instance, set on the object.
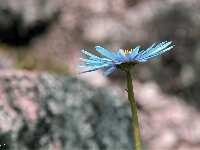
(180, 66)
(20, 21)
(43, 111)
(166, 121)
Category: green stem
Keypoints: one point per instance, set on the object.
(135, 124)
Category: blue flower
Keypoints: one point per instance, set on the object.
(122, 58)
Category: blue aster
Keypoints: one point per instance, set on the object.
(122, 58)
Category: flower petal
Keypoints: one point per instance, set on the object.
(158, 53)
(161, 47)
(152, 52)
(128, 56)
(107, 72)
(112, 59)
(142, 53)
(89, 54)
(120, 57)
(135, 52)
(106, 53)
(91, 70)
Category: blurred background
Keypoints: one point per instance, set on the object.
(40, 41)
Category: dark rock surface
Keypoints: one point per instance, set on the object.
(167, 121)
(43, 111)
(180, 66)
(22, 20)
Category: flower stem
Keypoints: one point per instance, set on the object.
(135, 124)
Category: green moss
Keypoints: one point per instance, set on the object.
(56, 66)
(26, 60)
(5, 49)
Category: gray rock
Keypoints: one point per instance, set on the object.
(180, 66)
(43, 111)
(22, 20)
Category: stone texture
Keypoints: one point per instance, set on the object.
(22, 20)
(52, 111)
(43, 111)
(167, 121)
(169, 85)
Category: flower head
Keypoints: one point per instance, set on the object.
(123, 59)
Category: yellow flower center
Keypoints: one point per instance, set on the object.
(127, 51)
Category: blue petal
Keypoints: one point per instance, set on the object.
(158, 53)
(161, 47)
(163, 50)
(102, 60)
(153, 55)
(89, 60)
(146, 51)
(106, 53)
(109, 71)
(128, 56)
(151, 51)
(114, 59)
(142, 60)
(120, 57)
(135, 52)
(91, 70)
(89, 54)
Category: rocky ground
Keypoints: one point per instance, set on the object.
(49, 36)
(43, 111)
